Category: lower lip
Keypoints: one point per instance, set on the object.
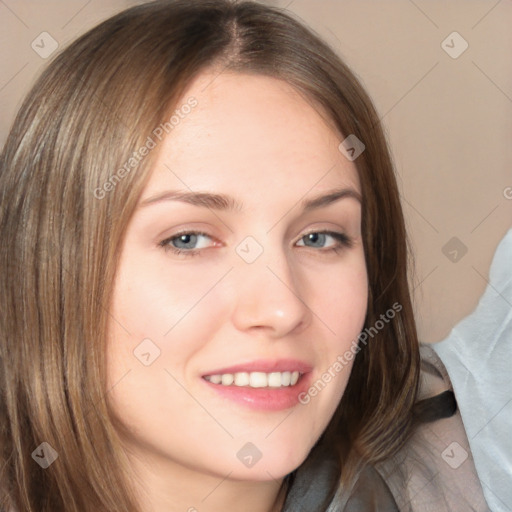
(264, 399)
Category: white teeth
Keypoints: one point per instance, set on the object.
(227, 379)
(256, 379)
(215, 379)
(241, 379)
(274, 380)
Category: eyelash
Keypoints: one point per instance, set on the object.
(343, 240)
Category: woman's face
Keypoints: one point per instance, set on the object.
(269, 285)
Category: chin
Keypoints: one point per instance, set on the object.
(273, 465)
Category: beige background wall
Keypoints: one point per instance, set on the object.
(449, 120)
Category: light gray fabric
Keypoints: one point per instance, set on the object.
(478, 356)
(435, 471)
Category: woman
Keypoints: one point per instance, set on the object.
(204, 268)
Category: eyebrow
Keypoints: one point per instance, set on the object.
(227, 203)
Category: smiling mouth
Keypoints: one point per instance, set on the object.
(273, 380)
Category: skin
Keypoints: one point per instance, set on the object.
(256, 139)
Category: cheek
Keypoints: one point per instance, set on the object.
(152, 300)
(339, 297)
(341, 307)
(158, 325)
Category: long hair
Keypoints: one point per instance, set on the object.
(88, 113)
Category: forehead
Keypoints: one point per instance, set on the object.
(250, 132)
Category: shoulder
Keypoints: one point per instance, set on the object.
(435, 471)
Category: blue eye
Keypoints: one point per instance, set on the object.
(329, 240)
(187, 243)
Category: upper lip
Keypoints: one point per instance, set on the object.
(265, 366)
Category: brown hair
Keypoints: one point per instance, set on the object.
(90, 110)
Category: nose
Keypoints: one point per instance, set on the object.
(268, 299)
